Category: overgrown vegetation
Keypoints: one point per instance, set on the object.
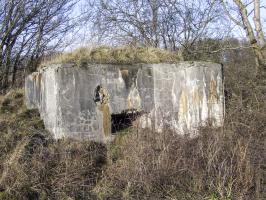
(34, 166)
(220, 164)
(109, 55)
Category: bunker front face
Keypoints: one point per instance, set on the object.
(84, 103)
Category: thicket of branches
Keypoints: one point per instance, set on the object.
(28, 30)
(180, 25)
(158, 23)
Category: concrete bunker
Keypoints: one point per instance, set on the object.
(95, 101)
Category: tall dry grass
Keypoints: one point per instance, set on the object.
(215, 165)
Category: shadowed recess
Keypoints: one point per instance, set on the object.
(124, 120)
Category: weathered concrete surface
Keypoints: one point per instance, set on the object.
(78, 102)
(185, 96)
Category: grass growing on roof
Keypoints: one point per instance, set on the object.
(121, 55)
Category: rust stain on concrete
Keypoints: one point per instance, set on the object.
(213, 91)
(197, 97)
(106, 119)
(104, 107)
(129, 103)
(39, 80)
(183, 106)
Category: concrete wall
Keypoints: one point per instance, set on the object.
(78, 102)
(186, 96)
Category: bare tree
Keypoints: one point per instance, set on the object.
(134, 21)
(188, 22)
(28, 29)
(170, 24)
(254, 33)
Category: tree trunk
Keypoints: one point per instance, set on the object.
(256, 44)
(154, 7)
(257, 22)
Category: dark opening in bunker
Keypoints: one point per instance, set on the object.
(124, 120)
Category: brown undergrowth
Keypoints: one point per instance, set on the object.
(215, 165)
(35, 166)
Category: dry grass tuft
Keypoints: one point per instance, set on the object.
(12, 101)
(108, 55)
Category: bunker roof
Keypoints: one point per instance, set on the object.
(119, 55)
